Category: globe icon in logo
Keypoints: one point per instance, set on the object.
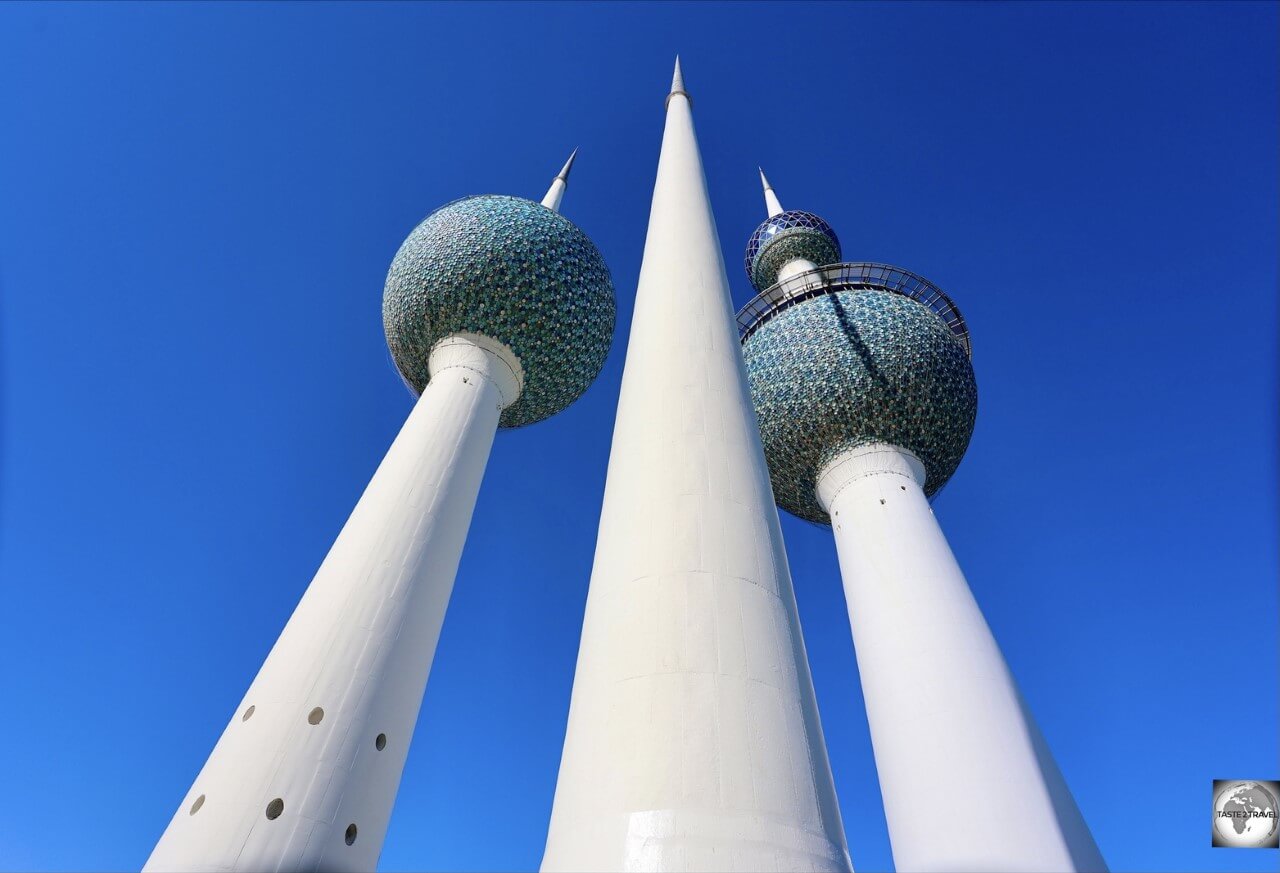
(1244, 814)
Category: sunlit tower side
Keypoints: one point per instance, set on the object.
(862, 383)
(693, 740)
(499, 313)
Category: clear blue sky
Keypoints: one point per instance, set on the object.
(198, 205)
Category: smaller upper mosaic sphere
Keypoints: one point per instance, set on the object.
(786, 237)
(514, 271)
(853, 367)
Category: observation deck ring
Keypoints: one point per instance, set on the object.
(851, 276)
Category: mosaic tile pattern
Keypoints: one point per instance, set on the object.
(857, 366)
(514, 271)
(785, 237)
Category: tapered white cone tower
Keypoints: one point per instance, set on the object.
(305, 775)
(693, 741)
(866, 399)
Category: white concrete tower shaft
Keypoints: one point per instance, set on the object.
(306, 772)
(947, 721)
(693, 739)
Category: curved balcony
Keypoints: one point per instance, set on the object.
(851, 276)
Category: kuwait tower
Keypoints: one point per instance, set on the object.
(866, 399)
(499, 313)
(693, 740)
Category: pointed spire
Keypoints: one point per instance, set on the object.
(688, 509)
(556, 192)
(677, 84)
(770, 199)
(568, 165)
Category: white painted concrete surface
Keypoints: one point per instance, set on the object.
(967, 780)
(693, 739)
(358, 647)
(771, 202)
(795, 267)
(555, 194)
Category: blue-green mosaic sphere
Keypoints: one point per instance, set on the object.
(514, 271)
(785, 237)
(853, 367)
